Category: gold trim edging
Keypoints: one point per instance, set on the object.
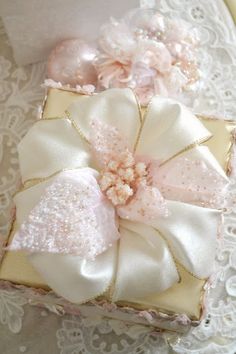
(229, 154)
(175, 259)
(76, 127)
(189, 147)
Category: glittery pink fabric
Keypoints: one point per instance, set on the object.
(106, 142)
(72, 217)
(77, 213)
(189, 180)
(148, 204)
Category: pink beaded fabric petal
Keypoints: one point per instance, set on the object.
(72, 217)
(147, 205)
(106, 142)
(189, 180)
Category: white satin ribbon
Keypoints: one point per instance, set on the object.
(144, 262)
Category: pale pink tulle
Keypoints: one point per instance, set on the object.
(72, 217)
(189, 180)
(147, 205)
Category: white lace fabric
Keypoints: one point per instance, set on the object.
(20, 94)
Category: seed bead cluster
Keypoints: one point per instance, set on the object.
(120, 178)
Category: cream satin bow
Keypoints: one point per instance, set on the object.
(145, 260)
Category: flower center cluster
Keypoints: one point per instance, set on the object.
(121, 177)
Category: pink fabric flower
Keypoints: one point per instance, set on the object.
(149, 53)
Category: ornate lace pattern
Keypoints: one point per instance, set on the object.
(20, 93)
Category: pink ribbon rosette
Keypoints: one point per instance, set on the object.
(121, 200)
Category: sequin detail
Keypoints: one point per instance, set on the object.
(147, 205)
(72, 217)
(106, 142)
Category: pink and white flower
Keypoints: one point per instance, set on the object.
(148, 52)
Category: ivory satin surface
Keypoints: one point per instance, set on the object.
(47, 136)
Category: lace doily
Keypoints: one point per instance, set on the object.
(20, 93)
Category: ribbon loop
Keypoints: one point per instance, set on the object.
(145, 263)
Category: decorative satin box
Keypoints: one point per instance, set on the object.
(120, 208)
